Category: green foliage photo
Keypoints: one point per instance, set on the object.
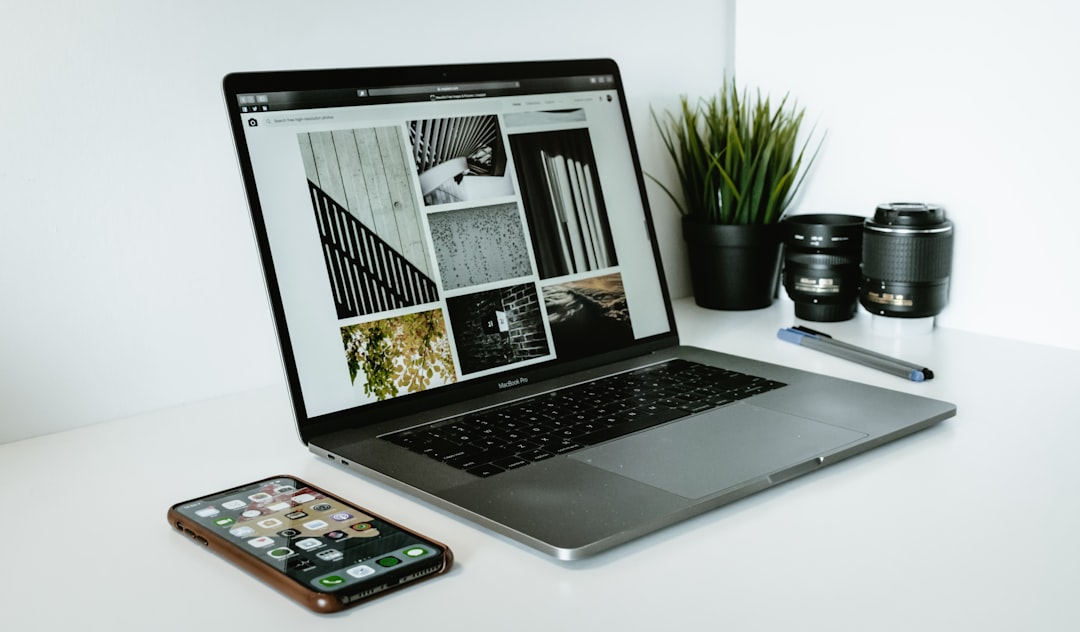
(737, 158)
(407, 354)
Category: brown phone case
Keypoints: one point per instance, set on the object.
(321, 602)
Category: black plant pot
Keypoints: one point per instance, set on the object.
(733, 267)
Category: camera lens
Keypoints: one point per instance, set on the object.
(821, 264)
(907, 258)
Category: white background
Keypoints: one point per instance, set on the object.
(130, 279)
(966, 104)
(128, 275)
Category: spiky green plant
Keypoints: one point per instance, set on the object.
(738, 159)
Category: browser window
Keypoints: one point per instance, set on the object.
(426, 235)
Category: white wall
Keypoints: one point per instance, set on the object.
(128, 274)
(967, 104)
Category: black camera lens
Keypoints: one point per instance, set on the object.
(907, 259)
(821, 264)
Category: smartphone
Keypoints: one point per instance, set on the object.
(322, 551)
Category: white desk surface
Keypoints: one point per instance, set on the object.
(971, 525)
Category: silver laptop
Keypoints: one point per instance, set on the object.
(470, 306)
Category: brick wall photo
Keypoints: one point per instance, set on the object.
(497, 327)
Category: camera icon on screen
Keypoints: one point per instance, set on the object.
(253, 122)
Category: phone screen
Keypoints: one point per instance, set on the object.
(320, 541)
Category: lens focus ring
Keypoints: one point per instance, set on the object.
(914, 258)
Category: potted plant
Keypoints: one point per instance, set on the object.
(738, 161)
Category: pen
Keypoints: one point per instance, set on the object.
(806, 337)
(927, 373)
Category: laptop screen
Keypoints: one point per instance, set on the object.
(427, 229)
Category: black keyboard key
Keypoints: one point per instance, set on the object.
(719, 399)
(696, 406)
(439, 449)
(487, 444)
(466, 461)
(510, 462)
(565, 445)
(406, 439)
(485, 470)
(586, 427)
(539, 454)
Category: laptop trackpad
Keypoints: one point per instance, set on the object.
(702, 455)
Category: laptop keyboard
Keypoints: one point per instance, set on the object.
(510, 436)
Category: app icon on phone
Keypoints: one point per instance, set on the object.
(364, 529)
(303, 498)
(322, 507)
(270, 523)
(362, 570)
(224, 521)
(342, 516)
(242, 532)
(207, 512)
(233, 504)
(330, 555)
(416, 551)
(309, 544)
(296, 515)
(260, 497)
(337, 535)
(315, 525)
(281, 490)
(261, 542)
(332, 581)
(281, 553)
